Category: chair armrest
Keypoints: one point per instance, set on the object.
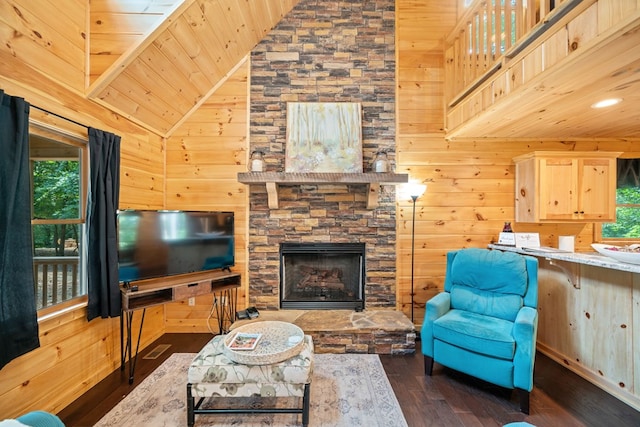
(435, 308)
(438, 306)
(525, 330)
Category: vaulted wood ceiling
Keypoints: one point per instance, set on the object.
(155, 62)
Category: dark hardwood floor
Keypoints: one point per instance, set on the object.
(560, 398)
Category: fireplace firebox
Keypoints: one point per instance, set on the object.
(322, 276)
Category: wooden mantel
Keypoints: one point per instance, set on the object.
(373, 180)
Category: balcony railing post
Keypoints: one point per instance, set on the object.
(56, 280)
(485, 31)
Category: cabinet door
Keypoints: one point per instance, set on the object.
(558, 189)
(597, 189)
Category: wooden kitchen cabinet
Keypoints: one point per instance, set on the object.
(566, 186)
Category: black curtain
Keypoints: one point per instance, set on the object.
(18, 316)
(102, 251)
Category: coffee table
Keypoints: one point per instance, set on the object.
(215, 376)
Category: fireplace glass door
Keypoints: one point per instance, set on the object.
(322, 276)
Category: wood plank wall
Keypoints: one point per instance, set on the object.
(204, 157)
(74, 354)
(420, 29)
(470, 191)
(54, 47)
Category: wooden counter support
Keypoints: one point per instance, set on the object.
(372, 180)
(571, 270)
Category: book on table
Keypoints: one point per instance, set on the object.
(244, 341)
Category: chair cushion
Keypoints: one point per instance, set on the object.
(488, 282)
(496, 271)
(495, 304)
(481, 334)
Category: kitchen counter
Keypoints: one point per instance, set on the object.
(589, 317)
(587, 258)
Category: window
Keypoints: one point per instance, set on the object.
(627, 225)
(58, 190)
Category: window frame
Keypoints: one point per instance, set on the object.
(597, 229)
(78, 139)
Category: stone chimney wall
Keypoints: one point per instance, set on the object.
(324, 51)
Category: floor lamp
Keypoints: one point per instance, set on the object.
(415, 191)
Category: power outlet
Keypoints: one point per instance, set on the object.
(192, 301)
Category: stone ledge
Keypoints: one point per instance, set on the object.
(347, 331)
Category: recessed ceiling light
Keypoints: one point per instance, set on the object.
(606, 103)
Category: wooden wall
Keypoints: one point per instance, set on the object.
(39, 35)
(420, 30)
(76, 354)
(38, 40)
(470, 183)
(204, 156)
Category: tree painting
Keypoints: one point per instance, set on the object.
(324, 137)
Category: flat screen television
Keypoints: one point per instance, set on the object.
(164, 243)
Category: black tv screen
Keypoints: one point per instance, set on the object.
(163, 243)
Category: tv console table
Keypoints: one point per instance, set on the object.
(141, 294)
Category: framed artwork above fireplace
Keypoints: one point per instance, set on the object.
(324, 137)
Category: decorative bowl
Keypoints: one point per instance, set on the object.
(279, 341)
(618, 253)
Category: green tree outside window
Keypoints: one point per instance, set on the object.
(627, 225)
(57, 186)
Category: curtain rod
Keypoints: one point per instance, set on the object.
(58, 115)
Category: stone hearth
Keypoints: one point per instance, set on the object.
(347, 331)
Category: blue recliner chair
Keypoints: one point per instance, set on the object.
(486, 321)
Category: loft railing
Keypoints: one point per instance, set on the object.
(491, 31)
(56, 280)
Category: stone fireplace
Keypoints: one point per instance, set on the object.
(322, 276)
(324, 51)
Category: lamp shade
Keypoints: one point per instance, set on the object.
(412, 190)
(416, 190)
